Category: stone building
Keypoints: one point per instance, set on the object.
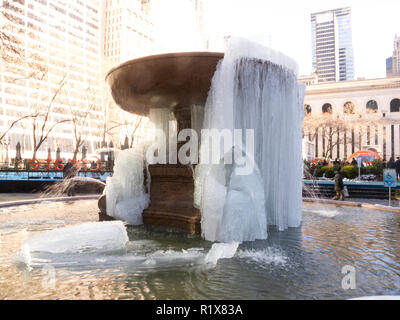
(361, 115)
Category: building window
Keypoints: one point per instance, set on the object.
(372, 106)
(395, 105)
(349, 108)
(327, 108)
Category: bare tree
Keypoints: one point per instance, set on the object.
(79, 120)
(40, 120)
(134, 129)
(335, 130)
(129, 127)
(11, 126)
(113, 121)
(328, 126)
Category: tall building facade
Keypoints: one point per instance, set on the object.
(127, 30)
(62, 40)
(393, 63)
(127, 33)
(332, 48)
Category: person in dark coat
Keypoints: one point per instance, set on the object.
(390, 164)
(397, 167)
(339, 186)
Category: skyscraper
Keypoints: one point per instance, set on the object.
(127, 30)
(332, 48)
(393, 63)
(60, 39)
(127, 33)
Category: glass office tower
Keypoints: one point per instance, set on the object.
(332, 47)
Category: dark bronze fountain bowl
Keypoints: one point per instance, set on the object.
(173, 80)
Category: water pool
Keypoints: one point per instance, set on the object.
(299, 263)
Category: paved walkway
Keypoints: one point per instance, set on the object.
(394, 203)
(381, 202)
(7, 197)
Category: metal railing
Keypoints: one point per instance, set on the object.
(24, 170)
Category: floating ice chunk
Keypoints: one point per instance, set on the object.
(87, 237)
(221, 251)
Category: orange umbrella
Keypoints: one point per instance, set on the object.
(366, 156)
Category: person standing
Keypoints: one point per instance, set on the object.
(397, 167)
(339, 186)
(384, 164)
(390, 164)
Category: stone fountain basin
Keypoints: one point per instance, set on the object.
(173, 80)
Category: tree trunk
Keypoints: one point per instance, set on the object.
(34, 153)
(76, 151)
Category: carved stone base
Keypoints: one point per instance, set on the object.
(171, 196)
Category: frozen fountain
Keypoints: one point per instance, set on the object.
(61, 252)
(250, 88)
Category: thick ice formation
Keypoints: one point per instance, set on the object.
(87, 237)
(253, 88)
(234, 205)
(161, 137)
(125, 192)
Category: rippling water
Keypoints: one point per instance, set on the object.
(300, 263)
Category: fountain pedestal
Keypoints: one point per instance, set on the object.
(171, 199)
(175, 81)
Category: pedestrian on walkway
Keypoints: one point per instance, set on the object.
(339, 186)
(397, 167)
(384, 164)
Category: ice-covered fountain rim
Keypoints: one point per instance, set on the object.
(244, 48)
(254, 50)
(168, 55)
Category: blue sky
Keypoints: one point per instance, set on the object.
(285, 26)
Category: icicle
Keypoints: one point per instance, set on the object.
(253, 88)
